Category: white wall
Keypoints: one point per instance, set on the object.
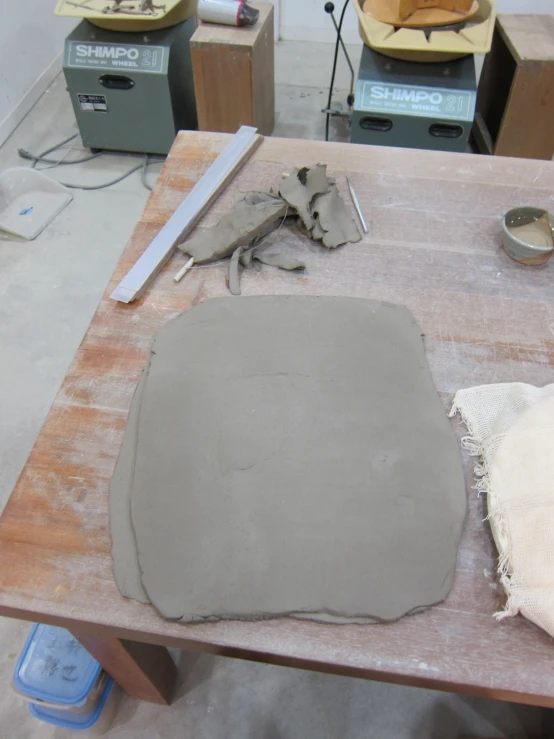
(277, 18)
(31, 46)
(306, 20)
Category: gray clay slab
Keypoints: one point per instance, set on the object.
(292, 457)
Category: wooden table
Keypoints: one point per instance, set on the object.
(433, 244)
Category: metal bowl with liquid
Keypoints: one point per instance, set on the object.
(528, 235)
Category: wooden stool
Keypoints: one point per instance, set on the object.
(515, 102)
(234, 74)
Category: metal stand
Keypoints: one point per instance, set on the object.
(330, 110)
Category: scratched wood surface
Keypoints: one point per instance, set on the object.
(434, 245)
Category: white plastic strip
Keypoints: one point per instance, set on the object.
(187, 214)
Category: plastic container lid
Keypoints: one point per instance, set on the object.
(75, 721)
(29, 201)
(54, 668)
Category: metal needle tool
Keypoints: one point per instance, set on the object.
(357, 205)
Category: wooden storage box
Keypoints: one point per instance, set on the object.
(234, 74)
(515, 102)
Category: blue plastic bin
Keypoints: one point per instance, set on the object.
(54, 670)
(98, 720)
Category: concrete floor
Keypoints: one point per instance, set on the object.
(49, 289)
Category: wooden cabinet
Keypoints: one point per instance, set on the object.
(234, 74)
(515, 102)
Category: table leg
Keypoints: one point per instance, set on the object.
(144, 671)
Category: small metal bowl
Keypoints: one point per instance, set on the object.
(519, 249)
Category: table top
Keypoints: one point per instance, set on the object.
(434, 244)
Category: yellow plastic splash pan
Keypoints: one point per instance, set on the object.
(167, 13)
(441, 46)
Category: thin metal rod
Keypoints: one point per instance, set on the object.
(357, 205)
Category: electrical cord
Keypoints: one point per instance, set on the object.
(24, 154)
(143, 173)
(106, 184)
(57, 146)
(147, 162)
(43, 158)
(61, 160)
(333, 74)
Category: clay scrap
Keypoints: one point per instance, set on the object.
(333, 220)
(283, 261)
(307, 195)
(302, 465)
(256, 215)
(234, 277)
(262, 256)
(300, 188)
(320, 206)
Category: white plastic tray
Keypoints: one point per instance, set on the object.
(29, 201)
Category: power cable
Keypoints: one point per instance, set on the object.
(329, 8)
(43, 158)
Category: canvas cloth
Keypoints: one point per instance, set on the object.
(511, 429)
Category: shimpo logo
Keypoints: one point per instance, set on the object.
(107, 52)
(398, 94)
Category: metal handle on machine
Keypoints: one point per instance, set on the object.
(375, 123)
(116, 82)
(446, 130)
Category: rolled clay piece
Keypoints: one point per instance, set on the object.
(283, 261)
(300, 188)
(334, 219)
(256, 215)
(124, 552)
(234, 277)
(246, 258)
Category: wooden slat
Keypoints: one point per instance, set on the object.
(434, 244)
